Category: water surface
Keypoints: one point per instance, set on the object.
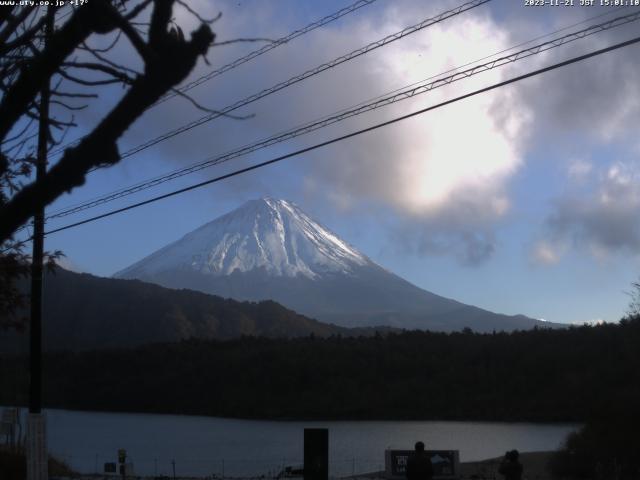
(229, 447)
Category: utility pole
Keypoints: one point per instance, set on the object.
(37, 457)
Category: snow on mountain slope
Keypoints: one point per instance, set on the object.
(269, 249)
(274, 235)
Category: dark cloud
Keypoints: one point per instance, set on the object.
(470, 247)
(463, 230)
(595, 100)
(603, 219)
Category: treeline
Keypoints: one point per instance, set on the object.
(602, 449)
(574, 374)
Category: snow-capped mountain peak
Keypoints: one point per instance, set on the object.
(269, 234)
(269, 249)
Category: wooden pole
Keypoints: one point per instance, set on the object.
(37, 457)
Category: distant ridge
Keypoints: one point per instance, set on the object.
(84, 312)
(270, 249)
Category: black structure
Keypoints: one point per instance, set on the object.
(316, 454)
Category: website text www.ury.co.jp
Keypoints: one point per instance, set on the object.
(42, 3)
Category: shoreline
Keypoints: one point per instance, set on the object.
(315, 419)
(534, 468)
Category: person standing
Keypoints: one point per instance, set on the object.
(419, 465)
(511, 468)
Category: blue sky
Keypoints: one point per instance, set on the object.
(519, 201)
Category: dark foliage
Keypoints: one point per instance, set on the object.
(13, 466)
(87, 312)
(15, 269)
(42, 85)
(607, 448)
(540, 375)
(13, 266)
(167, 59)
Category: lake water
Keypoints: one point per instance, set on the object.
(226, 447)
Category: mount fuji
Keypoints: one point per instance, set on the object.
(269, 249)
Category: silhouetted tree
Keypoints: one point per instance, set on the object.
(633, 310)
(76, 70)
(605, 448)
(167, 58)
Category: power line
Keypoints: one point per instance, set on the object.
(266, 48)
(211, 161)
(303, 76)
(412, 90)
(260, 144)
(353, 134)
(250, 56)
(309, 73)
(396, 96)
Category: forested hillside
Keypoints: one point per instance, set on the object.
(87, 312)
(540, 375)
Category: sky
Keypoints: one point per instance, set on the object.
(520, 200)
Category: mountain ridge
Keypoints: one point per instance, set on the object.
(84, 312)
(271, 249)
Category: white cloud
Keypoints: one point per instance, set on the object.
(579, 170)
(423, 166)
(547, 254)
(446, 172)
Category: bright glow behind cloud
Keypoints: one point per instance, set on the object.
(459, 150)
(445, 172)
(460, 153)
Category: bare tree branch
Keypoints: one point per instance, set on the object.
(88, 83)
(67, 106)
(137, 10)
(134, 37)
(209, 110)
(109, 62)
(243, 40)
(23, 38)
(18, 135)
(105, 49)
(186, 6)
(73, 95)
(5, 13)
(90, 18)
(99, 67)
(170, 61)
(13, 24)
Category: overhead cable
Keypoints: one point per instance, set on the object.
(250, 56)
(353, 134)
(303, 76)
(270, 46)
(396, 96)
